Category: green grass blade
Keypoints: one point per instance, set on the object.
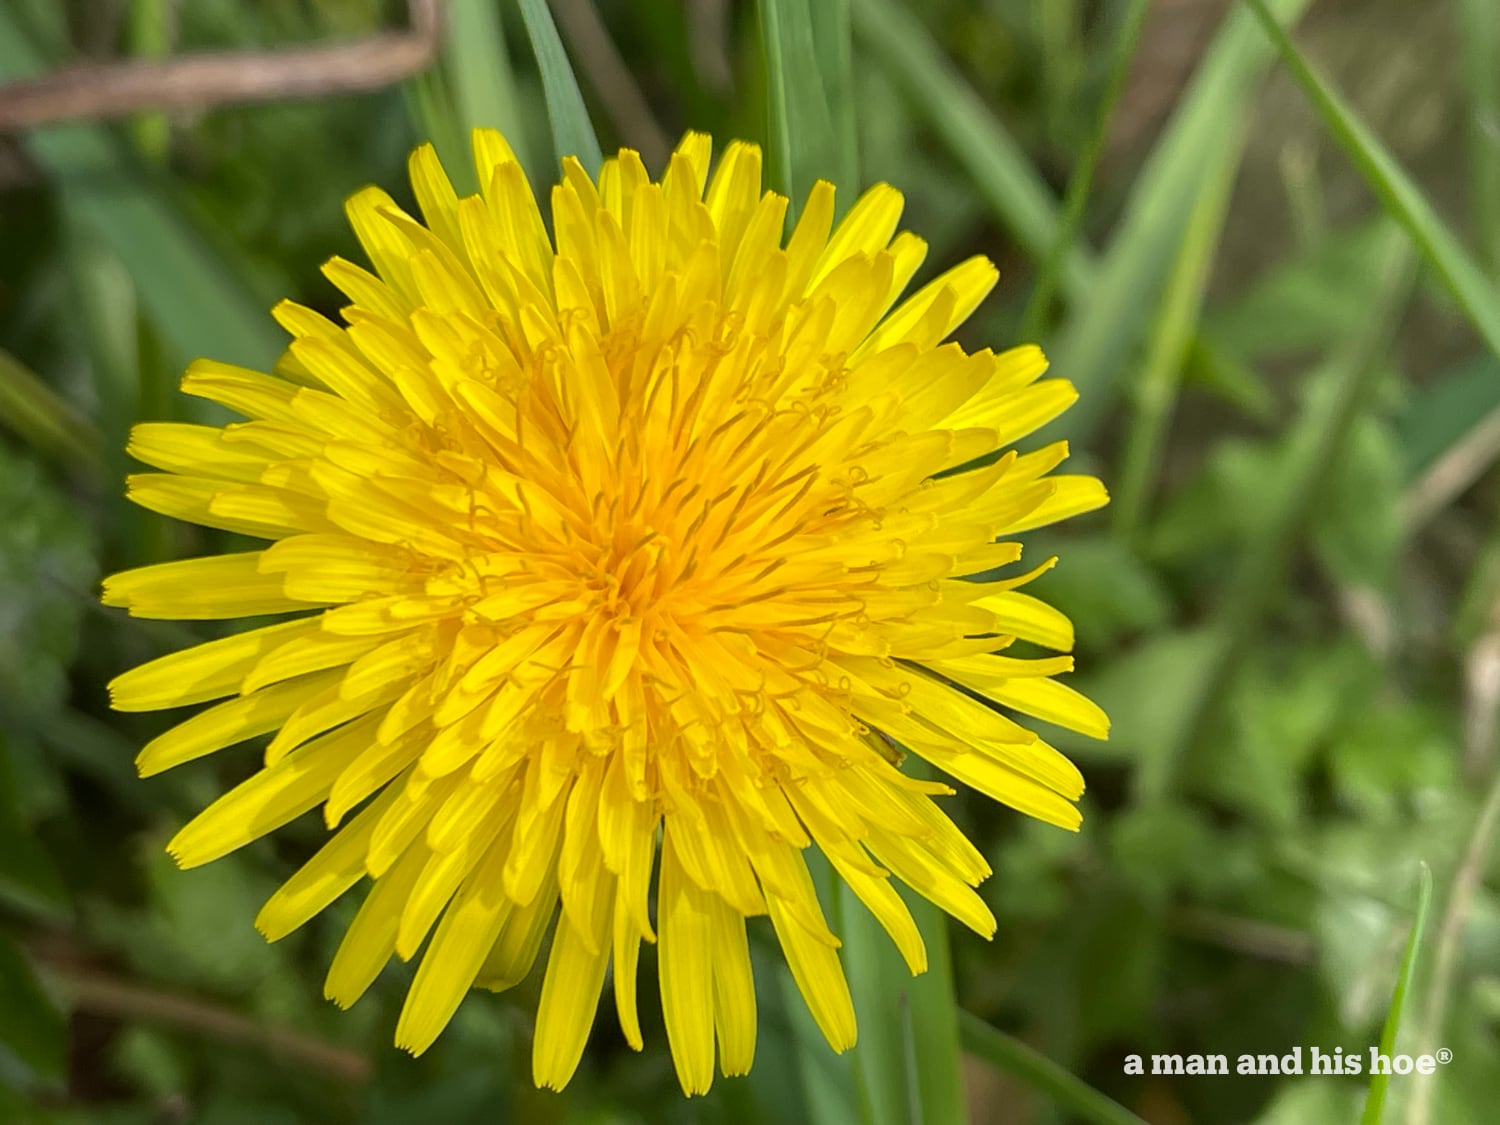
(35, 413)
(832, 29)
(197, 303)
(1475, 295)
(1155, 389)
(1036, 1070)
(926, 1011)
(878, 980)
(1401, 197)
(907, 1062)
(932, 1040)
(828, 1087)
(431, 103)
(1034, 319)
(803, 147)
(832, 1091)
(1380, 1083)
(1479, 25)
(1213, 367)
(484, 87)
(1000, 171)
(1096, 342)
(572, 129)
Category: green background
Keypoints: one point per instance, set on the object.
(1285, 331)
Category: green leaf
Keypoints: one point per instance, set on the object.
(153, 1060)
(1360, 533)
(1312, 299)
(1036, 1070)
(1392, 753)
(1146, 692)
(572, 129)
(1375, 1099)
(1097, 342)
(1165, 851)
(1218, 508)
(1286, 704)
(995, 164)
(200, 307)
(812, 136)
(31, 1027)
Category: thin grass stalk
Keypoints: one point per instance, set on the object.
(1081, 182)
(1065, 1089)
(1157, 386)
(1374, 1112)
(480, 75)
(572, 128)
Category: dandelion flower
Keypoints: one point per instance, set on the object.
(623, 553)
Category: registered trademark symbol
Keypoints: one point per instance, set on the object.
(1444, 1055)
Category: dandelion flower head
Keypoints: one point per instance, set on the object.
(609, 568)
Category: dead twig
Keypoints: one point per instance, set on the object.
(1481, 702)
(103, 995)
(203, 80)
(1250, 936)
(1458, 468)
(708, 44)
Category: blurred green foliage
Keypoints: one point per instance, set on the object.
(1294, 630)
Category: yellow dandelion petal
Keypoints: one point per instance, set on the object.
(634, 536)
